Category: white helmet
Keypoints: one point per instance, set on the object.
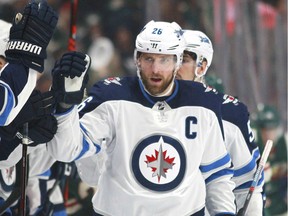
(4, 35)
(161, 38)
(198, 43)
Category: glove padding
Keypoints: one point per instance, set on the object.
(42, 130)
(37, 106)
(70, 77)
(30, 34)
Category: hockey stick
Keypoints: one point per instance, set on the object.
(73, 29)
(24, 173)
(16, 193)
(258, 172)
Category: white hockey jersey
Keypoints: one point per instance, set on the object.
(163, 154)
(244, 152)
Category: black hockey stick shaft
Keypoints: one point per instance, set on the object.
(73, 28)
(24, 173)
(258, 172)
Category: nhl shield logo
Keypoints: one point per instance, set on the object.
(159, 163)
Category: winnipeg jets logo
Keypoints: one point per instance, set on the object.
(179, 32)
(230, 99)
(209, 89)
(204, 40)
(114, 80)
(159, 163)
(7, 179)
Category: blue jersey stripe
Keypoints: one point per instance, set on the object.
(7, 105)
(250, 166)
(219, 174)
(221, 162)
(86, 145)
(249, 183)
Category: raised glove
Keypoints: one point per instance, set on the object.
(70, 77)
(30, 34)
(37, 106)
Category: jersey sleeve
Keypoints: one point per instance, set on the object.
(84, 141)
(245, 154)
(16, 85)
(217, 171)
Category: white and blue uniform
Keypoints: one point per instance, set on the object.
(244, 152)
(163, 154)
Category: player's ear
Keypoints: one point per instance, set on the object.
(138, 62)
(201, 69)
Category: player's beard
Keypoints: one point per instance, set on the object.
(157, 90)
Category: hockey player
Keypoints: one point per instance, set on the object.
(165, 154)
(29, 36)
(239, 138)
(43, 127)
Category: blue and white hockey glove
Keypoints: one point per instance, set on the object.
(30, 35)
(70, 78)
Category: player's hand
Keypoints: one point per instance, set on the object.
(42, 130)
(37, 106)
(30, 34)
(70, 78)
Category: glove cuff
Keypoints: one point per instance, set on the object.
(31, 55)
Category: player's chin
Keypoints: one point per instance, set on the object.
(154, 90)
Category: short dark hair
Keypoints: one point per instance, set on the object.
(191, 54)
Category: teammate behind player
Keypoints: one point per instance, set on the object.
(161, 148)
(239, 138)
(25, 53)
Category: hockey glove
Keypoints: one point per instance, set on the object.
(70, 78)
(38, 105)
(42, 130)
(30, 34)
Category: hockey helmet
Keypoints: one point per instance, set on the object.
(4, 35)
(197, 42)
(159, 37)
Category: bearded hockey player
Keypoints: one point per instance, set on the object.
(163, 137)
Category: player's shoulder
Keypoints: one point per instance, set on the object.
(201, 91)
(116, 82)
(114, 88)
(10, 69)
(197, 94)
(233, 110)
(195, 89)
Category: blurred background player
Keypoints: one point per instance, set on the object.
(239, 137)
(268, 125)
